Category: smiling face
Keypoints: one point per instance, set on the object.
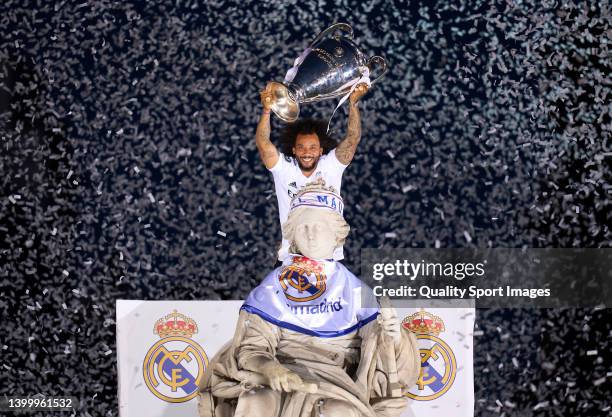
(315, 236)
(307, 151)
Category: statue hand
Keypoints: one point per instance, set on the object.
(390, 324)
(282, 379)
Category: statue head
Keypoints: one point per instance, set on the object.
(315, 226)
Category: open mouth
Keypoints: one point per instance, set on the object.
(307, 159)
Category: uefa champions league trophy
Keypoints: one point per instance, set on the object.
(330, 67)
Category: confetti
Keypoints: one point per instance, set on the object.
(124, 156)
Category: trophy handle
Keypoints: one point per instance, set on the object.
(380, 61)
(345, 27)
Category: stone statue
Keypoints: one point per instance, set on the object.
(311, 339)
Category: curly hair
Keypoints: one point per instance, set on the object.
(305, 127)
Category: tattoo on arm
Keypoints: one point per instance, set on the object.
(345, 151)
(267, 151)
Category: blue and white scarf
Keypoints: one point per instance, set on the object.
(317, 298)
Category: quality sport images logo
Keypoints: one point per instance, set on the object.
(438, 362)
(174, 365)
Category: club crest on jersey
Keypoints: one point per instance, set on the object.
(303, 280)
(438, 362)
(173, 366)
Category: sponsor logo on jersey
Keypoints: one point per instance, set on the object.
(324, 307)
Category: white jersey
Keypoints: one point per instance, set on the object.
(288, 180)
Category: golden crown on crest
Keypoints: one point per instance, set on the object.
(175, 324)
(309, 266)
(423, 322)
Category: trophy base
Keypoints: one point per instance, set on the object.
(283, 105)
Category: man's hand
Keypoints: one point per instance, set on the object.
(358, 92)
(267, 150)
(345, 151)
(282, 379)
(266, 97)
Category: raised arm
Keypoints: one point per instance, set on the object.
(345, 151)
(267, 151)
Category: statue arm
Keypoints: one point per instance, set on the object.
(394, 354)
(406, 362)
(408, 359)
(255, 361)
(257, 353)
(257, 342)
(279, 377)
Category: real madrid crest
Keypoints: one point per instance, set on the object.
(438, 363)
(303, 280)
(174, 365)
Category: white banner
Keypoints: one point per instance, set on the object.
(446, 384)
(163, 348)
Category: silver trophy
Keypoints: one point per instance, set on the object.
(328, 68)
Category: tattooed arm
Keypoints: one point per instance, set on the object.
(345, 151)
(267, 151)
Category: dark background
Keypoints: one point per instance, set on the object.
(126, 134)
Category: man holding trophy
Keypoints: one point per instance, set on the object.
(332, 66)
(307, 153)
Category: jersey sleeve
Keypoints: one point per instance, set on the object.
(333, 163)
(281, 165)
